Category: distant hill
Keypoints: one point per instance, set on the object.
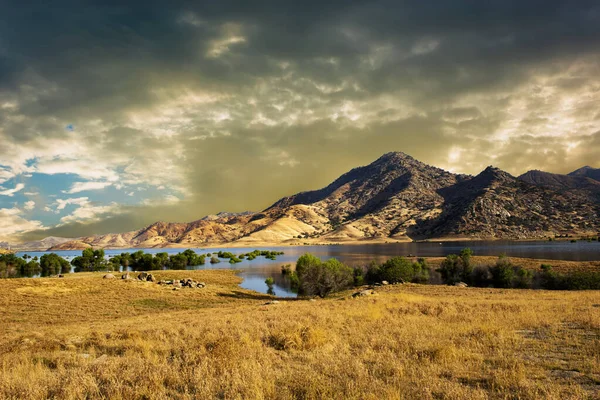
(577, 181)
(394, 198)
(589, 172)
(41, 245)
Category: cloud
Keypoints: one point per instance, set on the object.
(12, 224)
(84, 186)
(62, 203)
(231, 106)
(11, 192)
(88, 212)
(29, 205)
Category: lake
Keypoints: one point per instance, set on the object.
(255, 272)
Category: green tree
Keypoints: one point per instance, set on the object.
(457, 268)
(322, 278)
(53, 264)
(503, 273)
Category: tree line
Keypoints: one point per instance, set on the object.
(91, 260)
(314, 277)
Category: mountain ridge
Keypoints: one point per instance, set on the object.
(396, 198)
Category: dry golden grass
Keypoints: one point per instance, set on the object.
(86, 337)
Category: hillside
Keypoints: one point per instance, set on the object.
(394, 198)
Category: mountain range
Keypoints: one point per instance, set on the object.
(395, 198)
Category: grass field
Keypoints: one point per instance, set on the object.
(86, 337)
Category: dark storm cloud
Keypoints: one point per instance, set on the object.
(243, 102)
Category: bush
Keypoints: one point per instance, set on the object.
(481, 276)
(457, 268)
(322, 278)
(502, 273)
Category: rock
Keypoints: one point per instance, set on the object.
(61, 276)
(109, 276)
(202, 283)
(362, 293)
(460, 284)
(271, 302)
(199, 285)
(312, 300)
(143, 276)
(176, 288)
(177, 284)
(150, 278)
(125, 276)
(385, 283)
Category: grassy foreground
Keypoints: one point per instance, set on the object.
(86, 337)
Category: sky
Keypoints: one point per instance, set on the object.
(114, 115)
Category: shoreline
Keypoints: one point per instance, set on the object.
(300, 242)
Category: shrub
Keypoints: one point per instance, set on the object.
(322, 278)
(502, 273)
(450, 269)
(359, 276)
(397, 269)
(269, 281)
(481, 276)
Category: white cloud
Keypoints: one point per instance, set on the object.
(88, 212)
(62, 203)
(82, 167)
(83, 186)
(29, 205)
(11, 192)
(11, 223)
(31, 193)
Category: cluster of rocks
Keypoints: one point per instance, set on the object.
(363, 293)
(178, 284)
(147, 277)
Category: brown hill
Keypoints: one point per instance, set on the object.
(579, 182)
(394, 198)
(588, 172)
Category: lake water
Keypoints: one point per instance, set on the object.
(255, 272)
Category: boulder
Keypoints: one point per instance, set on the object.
(362, 293)
(143, 276)
(271, 302)
(125, 276)
(61, 276)
(460, 284)
(150, 278)
(385, 283)
(109, 276)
